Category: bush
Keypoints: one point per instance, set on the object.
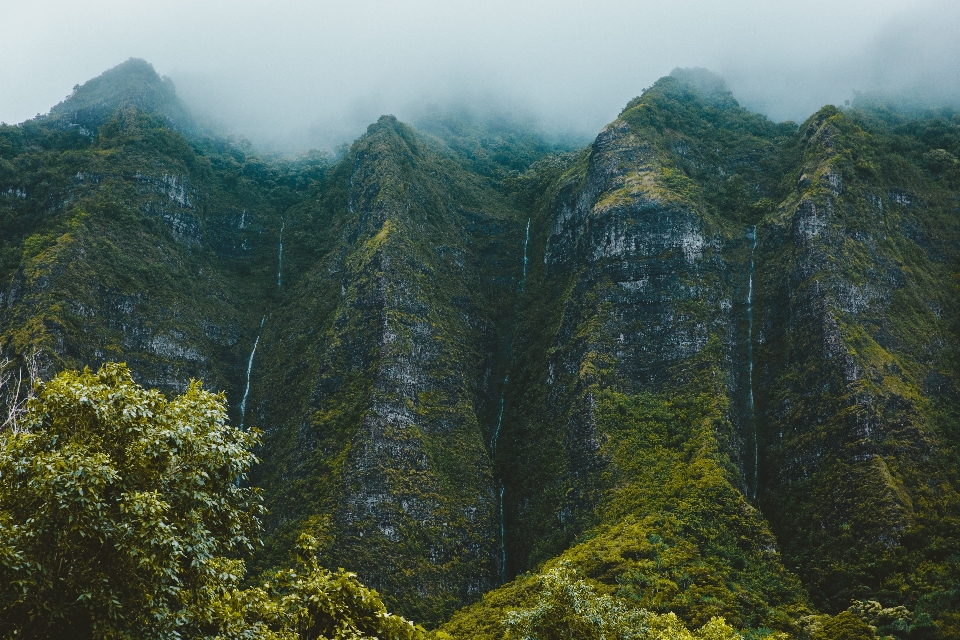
(569, 608)
(118, 508)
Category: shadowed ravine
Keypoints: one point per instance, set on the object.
(751, 413)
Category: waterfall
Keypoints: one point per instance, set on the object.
(496, 431)
(503, 541)
(526, 241)
(246, 392)
(493, 453)
(280, 256)
(751, 416)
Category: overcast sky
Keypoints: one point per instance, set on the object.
(302, 72)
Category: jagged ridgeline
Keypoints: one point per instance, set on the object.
(709, 362)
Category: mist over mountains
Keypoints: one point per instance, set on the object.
(628, 321)
(300, 75)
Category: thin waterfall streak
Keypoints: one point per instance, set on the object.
(280, 255)
(526, 241)
(246, 392)
(751, 415)
(503, 541)
(496, 431)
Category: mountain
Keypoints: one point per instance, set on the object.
(708, 361)
(856, 341)
(131, 85)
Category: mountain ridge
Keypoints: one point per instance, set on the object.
(131, 84)
(708, 361)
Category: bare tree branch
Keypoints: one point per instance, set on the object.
(19, 378)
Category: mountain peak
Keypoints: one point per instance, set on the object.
(703, 80)
(710, 87)
(694, 84)
(134, 83)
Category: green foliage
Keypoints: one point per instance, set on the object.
(423, 288)
(131, 85)
(567, 607)
(712, 152)
(312, 602)
(630, 448)
(493, 145)
(123, 514)
(869, 620)
(843, 626)
(703, 550)
(119, 509)
(626, 446)
(673, 537)
(849, 406)
(893, 622)
(136, 243)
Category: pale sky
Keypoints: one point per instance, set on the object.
(302, 73)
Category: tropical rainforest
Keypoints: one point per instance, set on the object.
(698, 379)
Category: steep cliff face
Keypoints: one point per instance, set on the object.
(392, 445)
(127, 243)
(627, 409)
(709, 360)
(702, 351)
(365, 326)
(855, 344)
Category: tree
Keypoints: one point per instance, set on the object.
(122, 515)
(312, 602)
(18, 381)
(120, 510)
(569, 608)
(844, 626)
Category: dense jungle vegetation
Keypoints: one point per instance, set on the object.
(696, 379)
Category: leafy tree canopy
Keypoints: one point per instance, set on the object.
(569, 608)
(122, 514)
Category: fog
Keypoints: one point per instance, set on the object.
(315, 73)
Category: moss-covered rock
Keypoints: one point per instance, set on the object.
(709, 361)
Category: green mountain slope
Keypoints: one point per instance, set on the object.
(385, 452)
(632, 338)
(132, 244)
(856, 343)
(709, 361)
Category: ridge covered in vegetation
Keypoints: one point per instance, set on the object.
(701, 374)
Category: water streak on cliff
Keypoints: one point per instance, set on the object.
(751, 414)
(246, 391)
(526, 241)
(496, 431)
(280, 256)
(503, 537)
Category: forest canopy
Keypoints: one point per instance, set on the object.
(124, 514)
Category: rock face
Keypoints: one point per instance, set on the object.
(112, 258)
(391, 444)
(637, 299)
(709, 360)
(856, 325)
